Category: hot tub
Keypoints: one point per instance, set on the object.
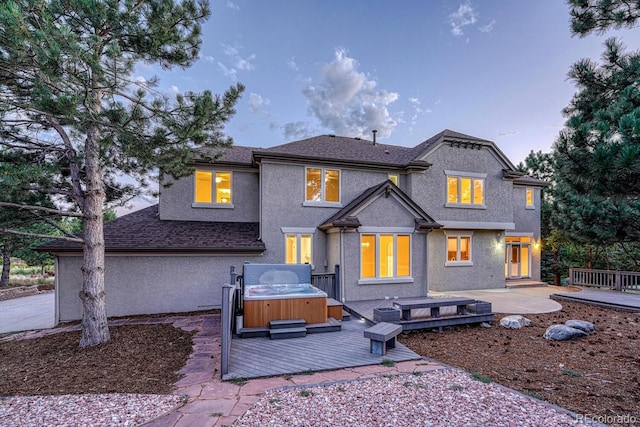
(281, 292)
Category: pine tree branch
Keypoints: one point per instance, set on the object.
(40, 208)
(41, 236)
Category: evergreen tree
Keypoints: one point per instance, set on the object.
(589, 16)
(67, 93)
(597, 155)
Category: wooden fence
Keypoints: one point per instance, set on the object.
(608, 279)
(328, 282)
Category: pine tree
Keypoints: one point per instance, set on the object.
(589, 16)
(597, 155)
(67, 92)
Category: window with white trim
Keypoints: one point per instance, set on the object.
(212, 188)
(298, 249)
(385, 255)
(465, 189)
(529, 201)
(459, 249)
(322, 185)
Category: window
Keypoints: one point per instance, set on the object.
(465, 189)
(298, 249)
(322, 185)
(393, 177)
(384, 256)
(529, 198)
(459, 250)
(212, 188)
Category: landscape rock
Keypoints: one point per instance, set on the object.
(563, 333)
(515, 322)
(583, 325)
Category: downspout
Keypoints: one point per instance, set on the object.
(260, 184)
(56, 292)
(342, 267)
(426, 261)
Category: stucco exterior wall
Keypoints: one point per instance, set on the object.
(384, 215)
(429, 189)
(138, 284)
(176, 201)
(487, 271)
(283, 187)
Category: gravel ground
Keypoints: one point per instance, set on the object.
(439, 398)
(88, 410)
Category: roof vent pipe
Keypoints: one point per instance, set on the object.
(374, 136)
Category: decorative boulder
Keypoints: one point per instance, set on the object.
(563, 333)
(514, 322)
(583, 325)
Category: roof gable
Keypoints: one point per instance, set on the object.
(423, 150)
(347, 216)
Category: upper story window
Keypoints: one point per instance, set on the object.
(212, 189)
(458, 249)
(385, 256)
(393, 177)
(465, 189)
(529, 199)
(322, 186)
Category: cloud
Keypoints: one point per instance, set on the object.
(347, 101)
(294, 131)
(291, 63)
(465, 15)
(257, 103)
(232, 5)
(418, 111)
(208, 58)
(508, 133)
(236, 61)
(488, 27)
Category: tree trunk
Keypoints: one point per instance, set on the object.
(6, 264)
(95, 329)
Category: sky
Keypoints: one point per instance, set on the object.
(491, 69)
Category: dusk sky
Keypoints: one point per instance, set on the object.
(494, 69)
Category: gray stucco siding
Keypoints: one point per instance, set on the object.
(487, 255)
(176, 201)
(429, 189)
(139, 284)
(283, 187)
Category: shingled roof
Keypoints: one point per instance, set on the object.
(333, 148)
(143, 231)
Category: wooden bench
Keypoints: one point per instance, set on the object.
(382, 336)
(434, 304)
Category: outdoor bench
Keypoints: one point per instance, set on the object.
(382, 336)
(434, 304)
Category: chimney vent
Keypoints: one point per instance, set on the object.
(374, 136)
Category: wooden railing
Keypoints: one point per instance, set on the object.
(328, 282)
(230, 303)
(609, 279)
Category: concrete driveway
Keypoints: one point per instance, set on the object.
(27, 313)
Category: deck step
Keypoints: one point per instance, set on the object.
(287, 324)
(332, 325)
(286, 333)
(346, 316)
(253, 332)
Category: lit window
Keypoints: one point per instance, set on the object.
(206, 186)
(393, 177)
(529, 198)
(465, 190)
(458, 250)
(322, 185)
(298, 249)
(385, 256)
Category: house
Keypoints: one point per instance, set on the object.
(451, 213)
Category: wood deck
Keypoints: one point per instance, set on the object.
(365, 308)
(624, 301)
(263, 357)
